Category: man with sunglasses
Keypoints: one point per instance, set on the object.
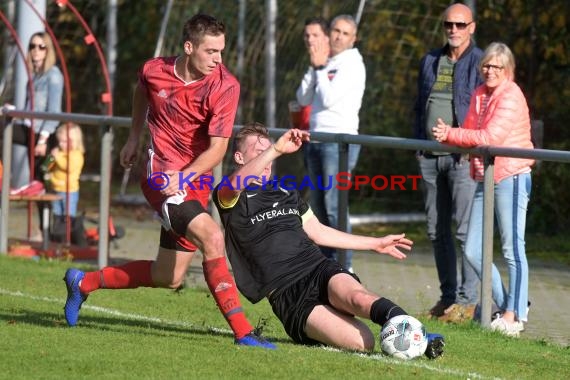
(446, 80)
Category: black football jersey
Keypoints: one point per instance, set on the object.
(265, 241)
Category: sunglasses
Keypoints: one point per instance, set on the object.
(39, 46)
(458, 25)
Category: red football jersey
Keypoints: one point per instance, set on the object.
(183, 115)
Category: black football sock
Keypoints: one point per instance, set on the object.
(383, 309)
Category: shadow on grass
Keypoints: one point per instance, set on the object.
(146, 327)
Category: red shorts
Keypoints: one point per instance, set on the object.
(169, 238)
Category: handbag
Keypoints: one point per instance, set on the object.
(20, 134)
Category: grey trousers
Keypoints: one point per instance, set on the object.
(448, 193)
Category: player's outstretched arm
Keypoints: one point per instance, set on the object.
(330, 237)
(290, 142)
(391, 245)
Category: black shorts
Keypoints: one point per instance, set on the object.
(180, 216)
(293, 304)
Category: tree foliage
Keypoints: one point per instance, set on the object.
(393, 36)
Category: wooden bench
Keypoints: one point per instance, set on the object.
(45, 211)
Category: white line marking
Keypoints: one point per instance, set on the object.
(415, 363)
(117, 313)
(419, 364)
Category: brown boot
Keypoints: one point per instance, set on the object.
(457, 313)
(437, 310)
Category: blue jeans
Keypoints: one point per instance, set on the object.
(20, 171)
(511, 201)
(321, 161)
(58, 207)
(448, 191)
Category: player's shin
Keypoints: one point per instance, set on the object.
(223, 288)
(127, 276)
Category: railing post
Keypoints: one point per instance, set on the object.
(5, 201)
(105, 194)
(487, 241)
(342, 197)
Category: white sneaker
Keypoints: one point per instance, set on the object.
(510, 329)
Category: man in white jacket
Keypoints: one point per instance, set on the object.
(333, 86)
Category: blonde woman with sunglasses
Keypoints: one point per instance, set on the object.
(47, 84)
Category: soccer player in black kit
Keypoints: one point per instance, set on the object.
(272, 240)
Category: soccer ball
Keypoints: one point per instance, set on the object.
(403, 337)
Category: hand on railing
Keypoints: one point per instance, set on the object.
(8, 107)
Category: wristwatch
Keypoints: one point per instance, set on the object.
(320, 67)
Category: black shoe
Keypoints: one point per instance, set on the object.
(435, 346)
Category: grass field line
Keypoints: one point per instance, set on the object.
(144, 318)
(117, 313)
(415, 364)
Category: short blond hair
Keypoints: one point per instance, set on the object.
(249, 129)
(502, 52)
(75, 136)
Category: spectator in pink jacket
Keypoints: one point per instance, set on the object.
(498, 115)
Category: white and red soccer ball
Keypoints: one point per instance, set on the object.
(403, 337)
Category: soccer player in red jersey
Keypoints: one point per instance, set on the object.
(189, 103)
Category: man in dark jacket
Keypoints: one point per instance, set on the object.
(446, 79)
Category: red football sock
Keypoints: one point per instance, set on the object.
(223, 288)
(128, 276)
